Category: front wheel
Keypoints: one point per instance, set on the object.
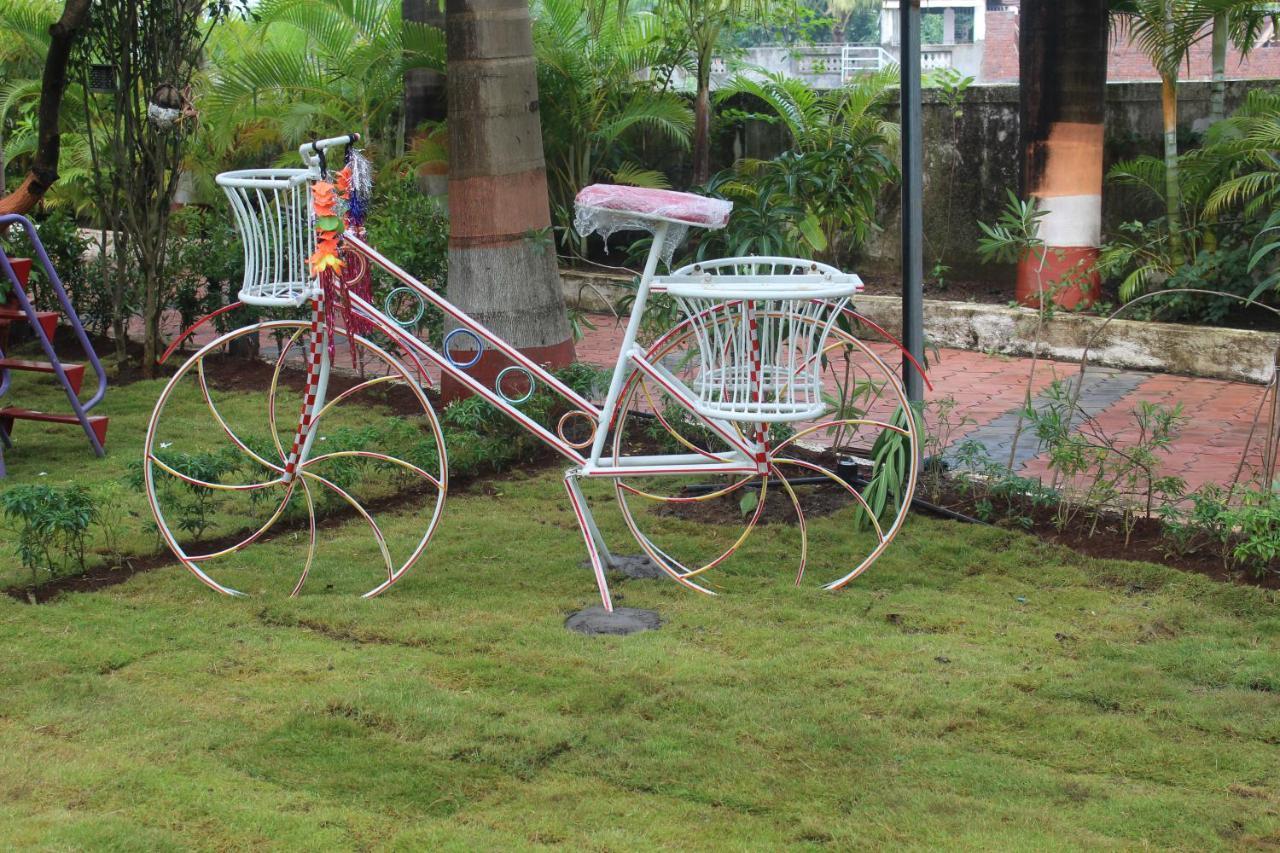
(217, 460)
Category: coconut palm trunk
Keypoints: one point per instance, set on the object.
(1063, 59)
(1172, 190)
(502, 264)
(702, 123)
(1218, 57)
(424, 88)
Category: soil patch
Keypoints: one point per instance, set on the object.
(1147, 542)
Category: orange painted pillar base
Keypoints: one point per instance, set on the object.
(1066, 273)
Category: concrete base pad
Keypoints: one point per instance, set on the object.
(594, 621)
(634, 566)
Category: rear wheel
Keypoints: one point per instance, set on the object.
(856, 464)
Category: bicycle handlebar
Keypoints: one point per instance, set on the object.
(312, 148)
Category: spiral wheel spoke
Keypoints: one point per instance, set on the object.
(311, 538)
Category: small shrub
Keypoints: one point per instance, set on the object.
(1257, 531)
(412, 228)
(52, 524)
(194, 514)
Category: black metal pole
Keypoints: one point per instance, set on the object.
(912, 196)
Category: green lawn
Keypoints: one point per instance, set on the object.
(976, 688)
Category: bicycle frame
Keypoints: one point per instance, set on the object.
(745, 459)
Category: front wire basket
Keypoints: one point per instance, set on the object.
(272, 210)
(761, 325)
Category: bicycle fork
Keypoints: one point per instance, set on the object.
(313, 394)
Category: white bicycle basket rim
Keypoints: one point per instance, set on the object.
(272, 209)
(760, 326)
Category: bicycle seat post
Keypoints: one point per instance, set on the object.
(660, 231)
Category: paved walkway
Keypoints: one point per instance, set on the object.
(989, 390)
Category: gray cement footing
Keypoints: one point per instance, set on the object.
(594, 621)
(634, 566)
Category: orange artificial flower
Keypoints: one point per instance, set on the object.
(326, 255)
(344, 181)
(323, 199)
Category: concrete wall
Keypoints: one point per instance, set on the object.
(969, 166)
(971, 161)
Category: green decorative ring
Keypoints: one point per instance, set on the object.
(386, 306)
(515, 401)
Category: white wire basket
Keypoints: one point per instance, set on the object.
(272, 210)
(760, 325)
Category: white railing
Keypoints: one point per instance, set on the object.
(860, 58)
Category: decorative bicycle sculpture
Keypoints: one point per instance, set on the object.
(733, 394)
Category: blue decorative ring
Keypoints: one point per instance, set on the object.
(515, 401)
(386, 306)
(449, 355)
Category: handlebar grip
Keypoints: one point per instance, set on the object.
(316, 145)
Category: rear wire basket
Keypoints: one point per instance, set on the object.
(760, 326)
(272, 209)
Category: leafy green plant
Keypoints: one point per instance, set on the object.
(941, 424)
(837, 168)
(308, 68)
(603, 83)
(421, 250)
(891, 463)
(1256, 542)
(52, 524)
(206, 267)
(66, 247)
(1094, 471)
(193, 504)
(1205, 523)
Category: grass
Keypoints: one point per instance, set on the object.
(977, 688)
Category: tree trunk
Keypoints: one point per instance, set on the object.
(44, 165)
(502, 263)
(1218, 91)
(1063, 69)
(702, 124)
(1172, 192)
(425, 95)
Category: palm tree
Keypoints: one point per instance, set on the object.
(1165, 30)
(594, 74)
(841, 150)
(703, 22)
(308, 67)
(1234, 21)
(502, 265)
(1063, 72)
(424, 88)
(55, 44)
